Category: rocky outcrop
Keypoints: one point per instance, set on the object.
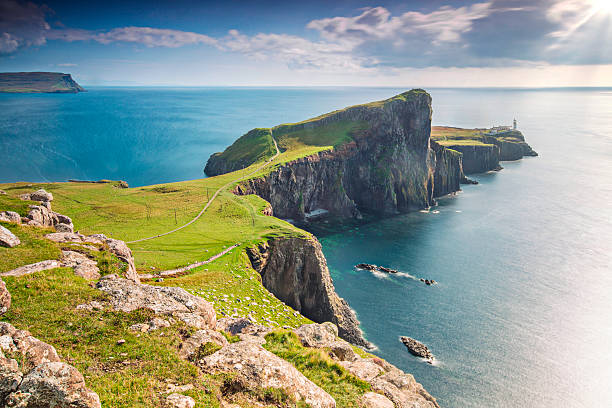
(115, 246)
(5, 298)
(33, 268)
(39, 379)
(10, 216)
(257, 368)
(478, 158)
(126, 295)
(7, 238)
(295, 271)
(416, 348)
(42, 215)
(512, 145)
(82, 265)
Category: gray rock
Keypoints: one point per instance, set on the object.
(57, 384)
(374, 400)
(241, 325)
(7, 238)
(257, 368)
(10, 216)
(180, 401)
(41, 195)
(126, 295)
(417, 348)
(190, 346)
(32, 268)
(82, 265)
(365, 369)
(64, 227)
(5, 298)
(317, 335)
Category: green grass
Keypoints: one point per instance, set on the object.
(133, 374)
(318, 367)
(255, 146)
(133, 213)
(463, 142)
(33, 248)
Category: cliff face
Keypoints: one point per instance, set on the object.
(388, 168)
(295, 270)
(38, 82)
(512, 145)
(478, 158)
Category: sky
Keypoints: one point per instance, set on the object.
(427, 43)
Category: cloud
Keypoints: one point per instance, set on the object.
(66, 64)
(443, 25)
(296, 52)
(21, 25)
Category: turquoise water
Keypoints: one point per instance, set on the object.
(522, 315)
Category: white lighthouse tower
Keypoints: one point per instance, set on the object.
(514, 124)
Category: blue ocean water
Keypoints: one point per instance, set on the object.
(522, 314)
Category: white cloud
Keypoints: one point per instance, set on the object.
(296, 52)
(67, 64)
(443, 25)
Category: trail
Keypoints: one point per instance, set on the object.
(188, 267)
(214, 196)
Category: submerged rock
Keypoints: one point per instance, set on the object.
(417, 348)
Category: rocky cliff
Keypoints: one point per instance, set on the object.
(295, 270)
(38, 82)
(478, 158)
(387, 168)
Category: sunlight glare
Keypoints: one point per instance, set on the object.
(601, 6)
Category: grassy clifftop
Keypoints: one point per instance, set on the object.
(295, 140)
(38, 82)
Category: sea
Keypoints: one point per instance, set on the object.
(522, 312)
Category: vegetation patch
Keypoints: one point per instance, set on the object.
(318, 367)
(34, 247)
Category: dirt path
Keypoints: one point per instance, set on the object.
(213, 197)
(188, 267)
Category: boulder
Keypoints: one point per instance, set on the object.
(40, 379)
(10, 216)
(127, 295)
(374, 400)
(403, 390)
(341, 350)
(241, 325)
(180, 401)
(7, 238)
(41, 195)
(58, 385)
(365, 369)
(2, 192)
(190, 346)
(82, 265)
(5, 298)
(32, 268)
(257, 368)
(41, 216)
(317, 335)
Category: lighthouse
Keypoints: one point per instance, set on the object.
(514, 124)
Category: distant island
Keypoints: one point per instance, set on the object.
(38, 82)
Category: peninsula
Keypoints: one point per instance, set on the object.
(38, 82)
(201, 292)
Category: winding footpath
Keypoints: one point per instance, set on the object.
(214, 196)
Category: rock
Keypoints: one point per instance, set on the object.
(41, 195)
(120, 342)
(403, 390)
(127, 295)
(2, 192)
(10, 377)
(257, 368)
(82, 265)
(387, 270)
(368, 267)
(180, 401)
(366, 369)
(32, 268)
(374, 400)
(241, 325)
(190, 346)
(7, 238)
(10, 216)
(317, 335)
(342, 351)
(56, 384)
(417, 348)
(42, 216)
(5, 298)
(115, 246)
(64, 227)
